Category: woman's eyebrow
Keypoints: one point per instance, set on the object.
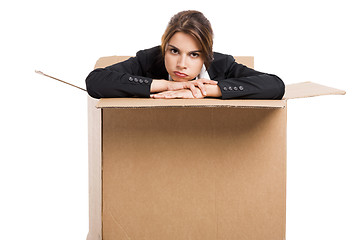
(189, 52)
(196, 51)
(173, 46)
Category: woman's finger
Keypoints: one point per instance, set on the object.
(207, 81)
(193, 90)
(202, 88)
(157, 96)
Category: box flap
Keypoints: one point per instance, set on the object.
(165, 103)
(110, 60)
(309, 89)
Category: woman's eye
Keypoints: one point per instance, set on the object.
(194, 55)
(174, 51)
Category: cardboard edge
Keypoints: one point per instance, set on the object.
(194, 106)
(188, 103)
(95, 170)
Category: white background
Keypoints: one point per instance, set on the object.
(43, 171)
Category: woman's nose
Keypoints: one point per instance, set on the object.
(181, 63)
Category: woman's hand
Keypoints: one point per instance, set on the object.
(193, 85)
(199, 88)
(182, 93)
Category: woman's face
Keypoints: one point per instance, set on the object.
(183, 57)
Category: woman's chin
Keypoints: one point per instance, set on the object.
(181, 79)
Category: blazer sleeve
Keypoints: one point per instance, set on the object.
(123, 79)
(243, 82)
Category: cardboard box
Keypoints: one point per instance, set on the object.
(189, 169)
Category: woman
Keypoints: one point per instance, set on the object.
(184, 66)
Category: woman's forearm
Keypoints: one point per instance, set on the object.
(158, 85)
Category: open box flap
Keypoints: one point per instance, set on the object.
(309, 89)
(164, 103)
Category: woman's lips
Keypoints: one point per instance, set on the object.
(180, 74)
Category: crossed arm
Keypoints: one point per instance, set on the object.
(199, 88)
(133, 78)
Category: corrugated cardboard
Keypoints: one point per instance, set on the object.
(189, 169)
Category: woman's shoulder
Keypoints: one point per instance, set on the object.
(222, 57)
(218, 55)
(150, 52)
(151, 62)
(150, 57)
(223, 60)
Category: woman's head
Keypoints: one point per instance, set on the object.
(194, 28)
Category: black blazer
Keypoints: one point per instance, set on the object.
(133, 77)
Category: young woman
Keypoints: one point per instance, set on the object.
(184, 66)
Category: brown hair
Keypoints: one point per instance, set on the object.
(195, 24)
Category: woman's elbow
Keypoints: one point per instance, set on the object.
(279, 88)
(93, 85)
